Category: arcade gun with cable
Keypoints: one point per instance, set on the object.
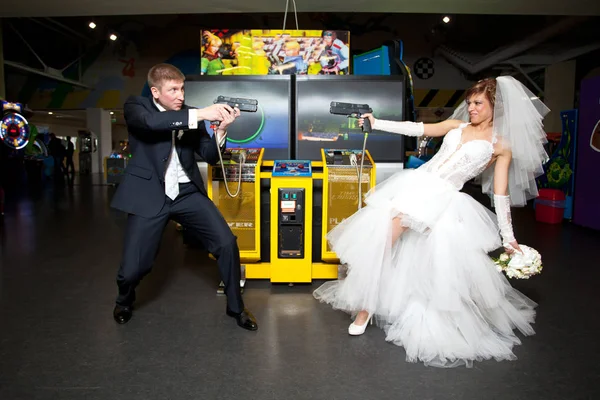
(234, 186)
(348, 175)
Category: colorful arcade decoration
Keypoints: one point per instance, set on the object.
(14, 128)
(274, 52)
(559, 168)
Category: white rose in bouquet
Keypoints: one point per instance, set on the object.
(520, 265)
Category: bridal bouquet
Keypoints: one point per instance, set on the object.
(520, 266)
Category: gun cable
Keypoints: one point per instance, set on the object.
(241, 161)
(362, 161)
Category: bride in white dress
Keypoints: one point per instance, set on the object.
(417, 254)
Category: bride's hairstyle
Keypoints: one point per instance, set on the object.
(487, 86)
(518, 115)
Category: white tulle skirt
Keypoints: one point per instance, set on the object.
(435, 291)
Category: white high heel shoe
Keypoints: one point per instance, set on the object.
(356, 330)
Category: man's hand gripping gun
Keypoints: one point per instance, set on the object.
(244, 105)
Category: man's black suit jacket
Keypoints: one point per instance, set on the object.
(142, 189)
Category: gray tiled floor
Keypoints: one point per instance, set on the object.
(60, 251)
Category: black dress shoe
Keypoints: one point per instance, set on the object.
(245, 319)
(122, 314)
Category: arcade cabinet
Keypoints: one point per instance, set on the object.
(254, 139)
(291, 219)
(335, 142)
(14, 134)
(14, 128)
(234, 187)
(115, 164)
(86, 149)
(341, 190)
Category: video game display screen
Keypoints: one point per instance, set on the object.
(317, 128)
(268, 128)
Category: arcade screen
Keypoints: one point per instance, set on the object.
(317, 128)
(268, 128)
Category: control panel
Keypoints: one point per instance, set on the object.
(344, 157)
(291, 223)
(300, 168)
(231, 161)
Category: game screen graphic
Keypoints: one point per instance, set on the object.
(268, 128)
(292, 168)
(317, 128)
(274, 52)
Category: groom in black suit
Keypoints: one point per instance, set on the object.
(162, 182)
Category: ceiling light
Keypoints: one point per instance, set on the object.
(112, 113)
(92, 25)
(446, 19)
(113, 36)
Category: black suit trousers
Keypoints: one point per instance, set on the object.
(193, 210)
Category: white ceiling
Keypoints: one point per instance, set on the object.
(64, 8)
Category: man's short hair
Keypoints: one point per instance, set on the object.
(161, 73)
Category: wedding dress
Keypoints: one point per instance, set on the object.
(435, 291)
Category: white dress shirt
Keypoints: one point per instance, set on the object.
(173, 161)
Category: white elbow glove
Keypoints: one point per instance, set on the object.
(406, 128)
(502, 206)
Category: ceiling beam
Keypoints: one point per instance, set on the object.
(558, 56)
(69, 30)
(46, 74)
(503, 54)
(40, 22)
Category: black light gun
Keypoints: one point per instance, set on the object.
(351, 110)
(244, 105)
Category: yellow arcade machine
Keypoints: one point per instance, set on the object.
(290, 233)
(234, 186)
(342, 170)
(291, 193)
(291, 220)
(237, 196)
(347, 176)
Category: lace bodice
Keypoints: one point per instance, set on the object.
(458, 162)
